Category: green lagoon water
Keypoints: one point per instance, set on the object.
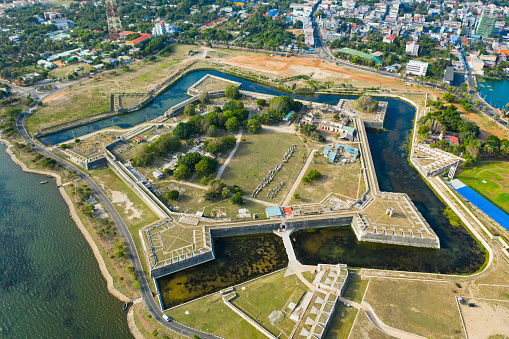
(50, 282)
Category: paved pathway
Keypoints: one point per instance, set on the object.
(223, 167)
(364, 306)
(299, 178)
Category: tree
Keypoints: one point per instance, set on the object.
(211, 131)
(261, 102)
(464, 87)
(254, 126)
(297, 196)
(190, 109)
(204, 97)
(206, 166)
(190, 160)
(232, 124)
(311, 175)
(184, 130)
(173, 195)
(182, 172)
(225, 192)
(318, 13)
(335, 117)
(231, 91)
(237, 199)
(448, 97)
(366, 103)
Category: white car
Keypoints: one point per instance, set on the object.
(408, 83)
(165, 317)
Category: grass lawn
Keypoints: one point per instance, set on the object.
(262, 296)
(364, 329)
(491, 180)
(63, 72)
(93, 96)
(129, 206)
(424, 308)
(343, 180)
(259, 154)
(343, 317)
(210, 314)
(265, 295)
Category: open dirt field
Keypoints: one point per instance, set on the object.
(287, 67)
(487, 319)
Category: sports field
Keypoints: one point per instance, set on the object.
(491, 180)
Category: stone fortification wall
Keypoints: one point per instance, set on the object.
(182, 264)
(400, 240)
(270, 227)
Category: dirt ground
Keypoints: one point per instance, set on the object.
(287, 67)
(118, 197)
(326, 71)
(487, 319)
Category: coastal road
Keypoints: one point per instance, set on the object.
(146, 293)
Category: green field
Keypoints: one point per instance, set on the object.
(259, 154)
(343, 318)
(491, 180)
(258, 298)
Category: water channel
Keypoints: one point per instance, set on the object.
(460, 253)
(50, 282)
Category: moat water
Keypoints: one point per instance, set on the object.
(460, 253)
(238, 259)
(50, 282)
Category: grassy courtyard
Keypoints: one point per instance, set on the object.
(342, 320)
(424, 308)
(345, 180)
(491, 180)
(259, 154)
(261, 296)
(92, 96)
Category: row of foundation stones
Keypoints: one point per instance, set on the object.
(273, 192)
(270, 176)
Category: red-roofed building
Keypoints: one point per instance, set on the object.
(389, 38)
(124, 34)
(137, 140)
(143, 37)
(453, 139)
(288, 210)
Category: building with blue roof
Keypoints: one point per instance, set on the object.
(273, 212)
(332, 156)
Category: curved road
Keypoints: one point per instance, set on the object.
(146, 293)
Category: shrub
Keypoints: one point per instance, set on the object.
(261, 102)
(311, 175)
(173, 195)
(237, 199)
(232, 92)
(182, 172)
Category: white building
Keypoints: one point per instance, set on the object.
(417, 67)
(348, 4)
(412, 48)
(162, 28)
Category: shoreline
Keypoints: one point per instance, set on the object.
(100, 260)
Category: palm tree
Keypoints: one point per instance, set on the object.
(488, 149)
(435, 126)
(504, 149)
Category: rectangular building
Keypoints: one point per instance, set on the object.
(417, 68)
(412, 48)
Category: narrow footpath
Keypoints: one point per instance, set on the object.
(299, 178)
